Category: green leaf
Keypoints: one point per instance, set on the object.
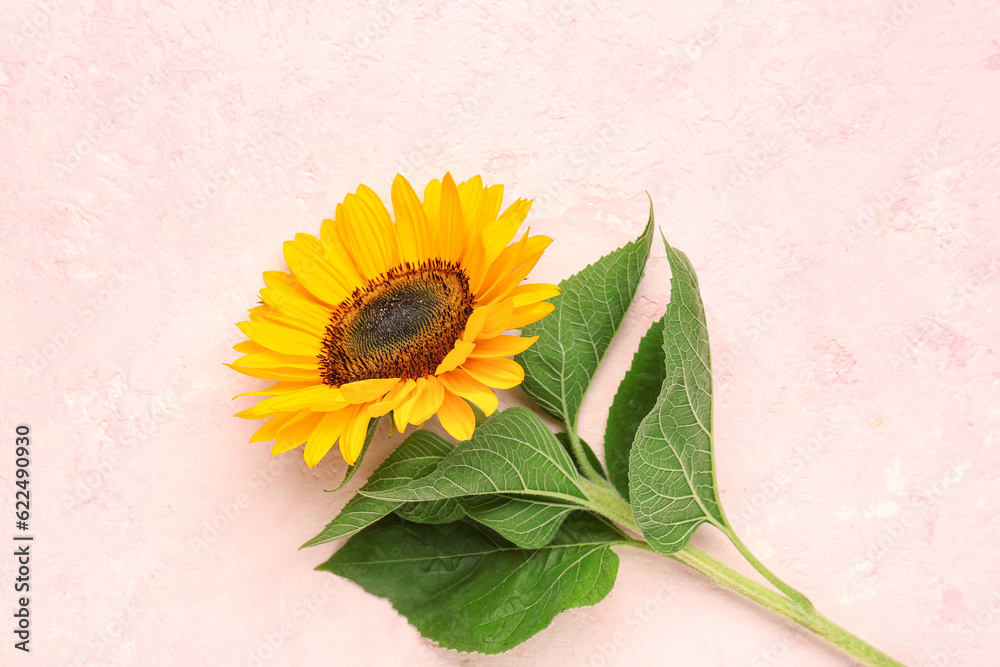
(671, 469)
(564, 440)
(528, 523)
(573, 338)
(415, 457)
(513, 452)
(349, 474)
(468, 589)
(432, 511)
(637, 394)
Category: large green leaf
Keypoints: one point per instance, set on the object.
(415, 457)
(636, 396)
(468, 589)
(671, 469)
(573, 339)
(513, 452)
(529, 523)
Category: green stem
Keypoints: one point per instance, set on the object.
(795, 595)
(581, 457)
(606, 501)
(796, 608)
(807, 617)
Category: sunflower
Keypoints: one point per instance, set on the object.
(406, 317)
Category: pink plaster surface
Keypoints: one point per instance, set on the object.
(831, 169)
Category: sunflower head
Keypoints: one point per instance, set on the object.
(404, 316)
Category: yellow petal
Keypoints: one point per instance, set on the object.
(479, 208)
(287, 281)
(497, 319)
(277, 373)
(474, 263)
(295, 432)
(340, 262)
(379, 215)
(503, 286)
(247, 346)
(415, 236)
(268, 313)
(470, 195)
(283, 296)
(377, 212)
(523, 295)
(432, 211)
(451, 239)
(329, 428)
(270, 428)
(459, 382)
(517, 271)
(502, 346)
(319, 398)
(401, 413)
(364, 391)
(306, 260)
(281, 338)
(396, 395)
(518, 210)
(456, 417)
(277, 389)
(456, 357)
(368, 233)
(269, 359)
(427, 402)
(328, 231)
(251, 413)
(500, 232)
(353, 440)
(522, 316)
(250, 347)
(497, 372)
(492, 197)
(474, 325)
(506, 261)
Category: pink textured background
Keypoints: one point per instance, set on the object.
(831, 169)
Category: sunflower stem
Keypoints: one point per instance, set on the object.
(790, 592)
(607, 502)
(807, 617)
(793, 606)
(581, 458)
